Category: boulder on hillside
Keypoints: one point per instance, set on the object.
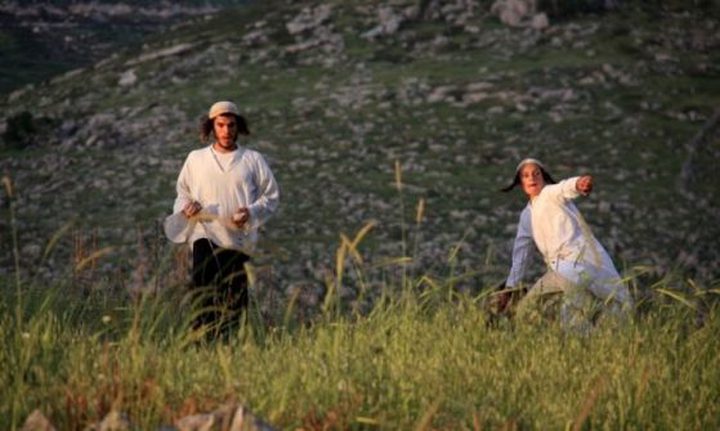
(519, 13)
(309, 19)
(389, 23)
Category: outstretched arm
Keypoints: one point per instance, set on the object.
(570, 188)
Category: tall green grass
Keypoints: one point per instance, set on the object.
(422, 356)
(408, 364)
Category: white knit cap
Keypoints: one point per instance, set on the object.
(224, 107)
(524, 162)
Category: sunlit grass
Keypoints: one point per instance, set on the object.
(414, 358)
(421, 356)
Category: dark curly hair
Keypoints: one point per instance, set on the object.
(206, 127)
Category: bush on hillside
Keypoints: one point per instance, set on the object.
(23, 130)
(572, 7)
(560, 8)
(19, 131)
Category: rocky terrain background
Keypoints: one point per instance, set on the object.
(39, 40)
(340, 93)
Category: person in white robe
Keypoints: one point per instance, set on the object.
(225, 193)
(578, 268)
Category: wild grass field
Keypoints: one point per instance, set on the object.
(420, 358)
(371, 285)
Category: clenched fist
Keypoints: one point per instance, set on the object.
(241, 216)
(584, 185)
(191, 209)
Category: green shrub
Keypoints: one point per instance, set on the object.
(23, 130)
(572, 7)
(20, 130)
(560, 8)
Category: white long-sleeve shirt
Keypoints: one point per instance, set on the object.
(222, 187)
(552, 221)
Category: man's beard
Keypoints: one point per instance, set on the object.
(230, 144)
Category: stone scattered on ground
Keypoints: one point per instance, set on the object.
(229, 417)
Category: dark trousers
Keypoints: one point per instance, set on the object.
(220, 283)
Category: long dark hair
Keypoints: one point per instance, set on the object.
(516, 181)
(206, 127)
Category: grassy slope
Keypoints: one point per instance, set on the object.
(334, 158)
(430, 364)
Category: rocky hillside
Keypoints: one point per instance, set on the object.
(337, 92)
(41, 39)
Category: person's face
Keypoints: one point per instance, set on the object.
(531, 179)
(225, 129)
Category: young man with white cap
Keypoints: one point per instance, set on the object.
(578, 267)
(225, 192)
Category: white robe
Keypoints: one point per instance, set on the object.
(221, 190)
(552, 221)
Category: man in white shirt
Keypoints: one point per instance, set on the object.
(578, 267)
(225, 192)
